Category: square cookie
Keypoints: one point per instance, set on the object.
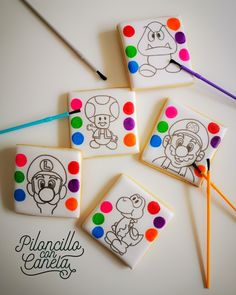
(148, 46)
(127, 220)
(106, 124)
(47, 181)
(180, 138)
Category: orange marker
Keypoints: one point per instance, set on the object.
(208, 252)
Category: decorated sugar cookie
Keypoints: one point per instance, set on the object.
(106, 124)
(180, 138)
(128, 220)
(47, 181)
(148, 47)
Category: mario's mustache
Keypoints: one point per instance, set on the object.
(178, 158)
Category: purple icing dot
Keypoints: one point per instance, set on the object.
(129, 123)
(159, 222)
(215, 141)
(73, 185)
(180, 37)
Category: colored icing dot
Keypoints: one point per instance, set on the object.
(71, 204)
(162, 126)
(76, 122)
(171, 112)
(129, 123)
(73, 167)
(106, 207)
(77, 138)
(128, 108)
(215, 141)
(202, 168)
(213, 128)
(151, 234)
(19, 176)
(180, 37)
(159, 222)
(21, 160)
(98, 232)
(128, 31)
(76, 104)
(173, 23)
(184, 54)
(155, 141)
(153, 207)
(19, 195)
(130, 139)
(98, 218)
(131, 51)
(133, 66)
(73, 185)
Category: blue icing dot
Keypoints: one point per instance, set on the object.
(155, 141)
(98, 232)
(19, 195)
(133, 67)
(77, 138)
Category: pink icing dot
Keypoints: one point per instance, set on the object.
(76, 103)
(171, 112)
(106, 207)
(21, 160)
(184, 54)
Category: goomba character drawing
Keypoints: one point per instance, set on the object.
(102, 110)
(123, 233)
(158, 45)
(184, 145)
(46, 182)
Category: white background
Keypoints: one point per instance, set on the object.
(37, 71)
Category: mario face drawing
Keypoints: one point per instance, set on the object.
(123, 233)
(185, 144)
(157, 45)
(46, 182)
(101, 110)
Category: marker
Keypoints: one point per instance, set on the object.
(60, 36)
(198, 76)
(40, 121)
(208, 236)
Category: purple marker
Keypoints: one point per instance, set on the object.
(203, 79)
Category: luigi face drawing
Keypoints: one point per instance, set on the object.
(46, 182)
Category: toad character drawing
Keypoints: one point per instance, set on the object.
(158, 45)
(46, 178)
(184, 145)
(101, 111)
(123, 233)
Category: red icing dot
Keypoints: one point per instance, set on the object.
(153, 207)
(73, 167)
(106, 207)
(213, 128)
(202, 168)
(21, 160)
(71, 204)
(128, 108)
(128, 31)
(151, 234)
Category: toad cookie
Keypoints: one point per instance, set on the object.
(148, 47)
(180, 138)
(128, 220)
(47, 181)
(106, 124)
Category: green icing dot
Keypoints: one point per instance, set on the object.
(131, 51)
(76, 122)
(162, 126)
(98, 218)
(19, 176)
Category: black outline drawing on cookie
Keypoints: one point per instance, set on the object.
(123, 233)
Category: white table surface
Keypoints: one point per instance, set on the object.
(37, 71)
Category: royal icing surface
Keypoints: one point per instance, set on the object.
(180, 138)
(148, 46)
(47, 181)
(127, 220)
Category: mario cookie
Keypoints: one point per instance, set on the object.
(47, 181)
(106, 124)
(128, 220)
(180, 138)
(148, 47)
